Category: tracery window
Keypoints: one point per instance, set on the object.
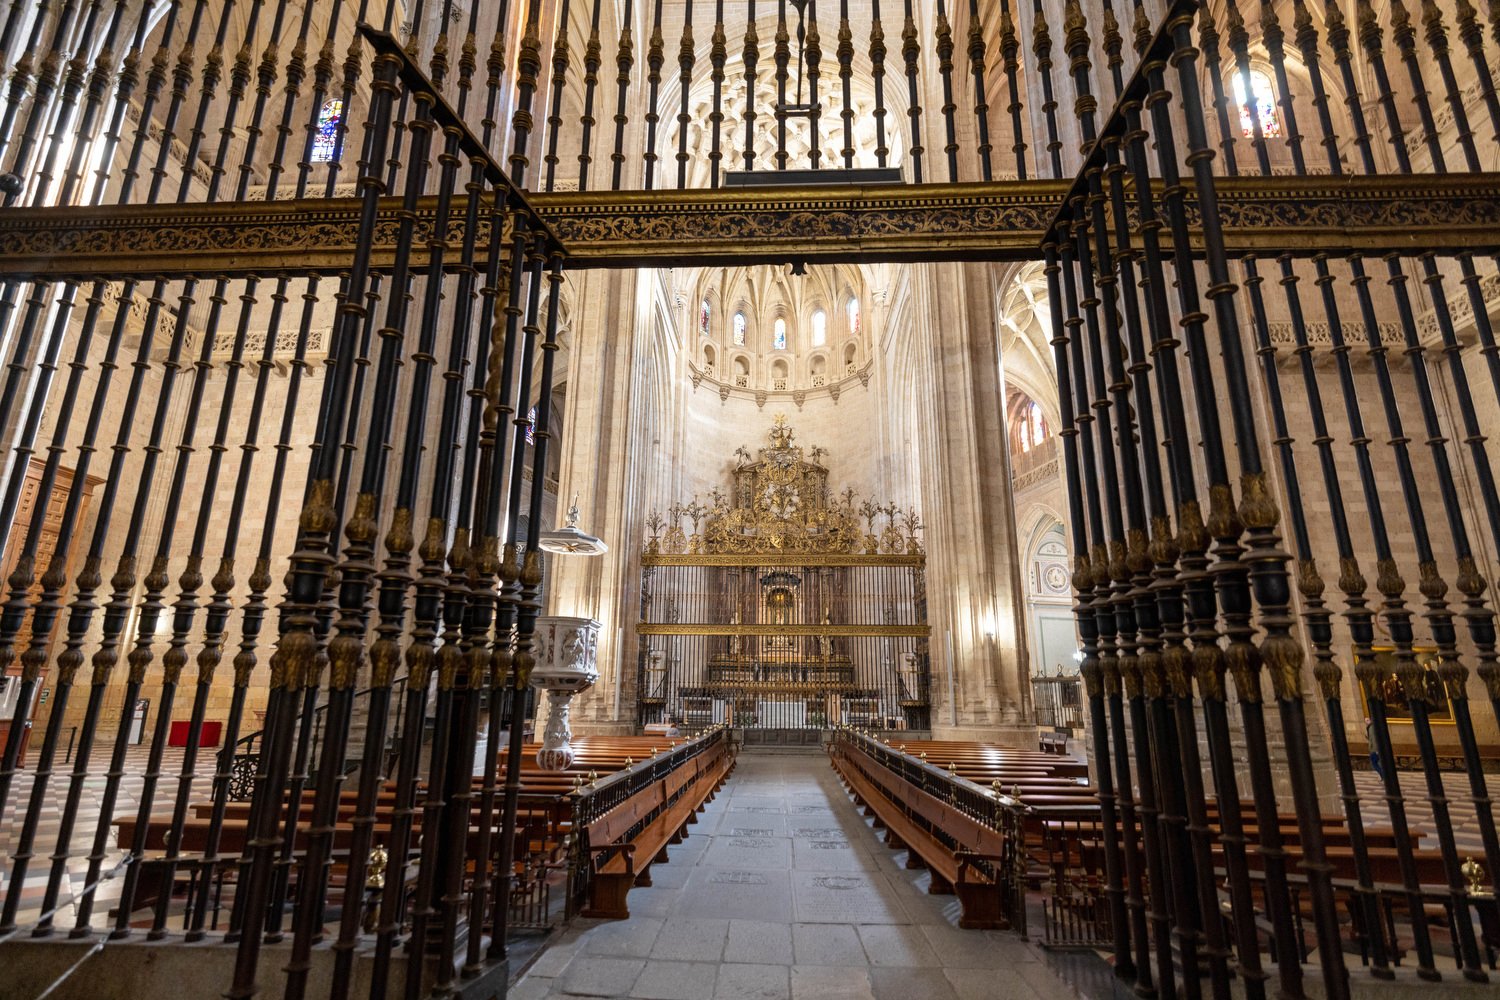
(739, 329)
(819, 328)
(325, 142)
(778, 338)
(853, 310)
(1033, 427)
(704, 315)
(1264, 100)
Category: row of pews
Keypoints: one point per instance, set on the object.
(976, 815)
(603, 821)
(992, 823)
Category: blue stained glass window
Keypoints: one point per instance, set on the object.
(1265, 105)
(531, 426)
(739, 329)
(326, 141)
(778, 340)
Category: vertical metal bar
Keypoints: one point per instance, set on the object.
(846, 79)
(624, 61)
(1041, 47)
(944, 47)
(593, 58)
(560, 64)
(687, 57)
(528, 68)
(977, 55)
(656, 57)
(43, 88)
(814, 53)
(1009, 48)
(911, 50)
(718, 54)
(783, 55)
(751, 57)
(877, 72)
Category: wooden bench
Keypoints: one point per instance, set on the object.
(667, 806)
(895, 802)
(1052, 743)
(543, 818)
(1450, 756)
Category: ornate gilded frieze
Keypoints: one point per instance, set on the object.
(1002, 220)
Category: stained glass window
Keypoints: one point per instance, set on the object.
(704, 314)
(778, 340)
(1265, 105)
(853, 317)
(326, 141)
(531, 426)
(1033, 427)
(739, 329)
(819, 328)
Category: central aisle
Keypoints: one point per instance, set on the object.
(783, 890)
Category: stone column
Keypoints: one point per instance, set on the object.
(958, 415)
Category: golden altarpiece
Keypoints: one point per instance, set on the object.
(782, 606)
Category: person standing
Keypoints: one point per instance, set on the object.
(1374, 748)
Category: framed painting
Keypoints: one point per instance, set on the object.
(1439, 711)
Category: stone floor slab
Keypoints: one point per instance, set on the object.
(841, 897)
(753, 982)
(827, 944)
(830, 856)
(897, 945)
(770, 852)
(904, 984)
(631, 938)
(676, 981)
(601, 977)
(830, 982)
(736, 894)
(760, 942)
(699, 940)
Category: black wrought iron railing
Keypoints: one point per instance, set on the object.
(1188, 599)
(401, 553)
